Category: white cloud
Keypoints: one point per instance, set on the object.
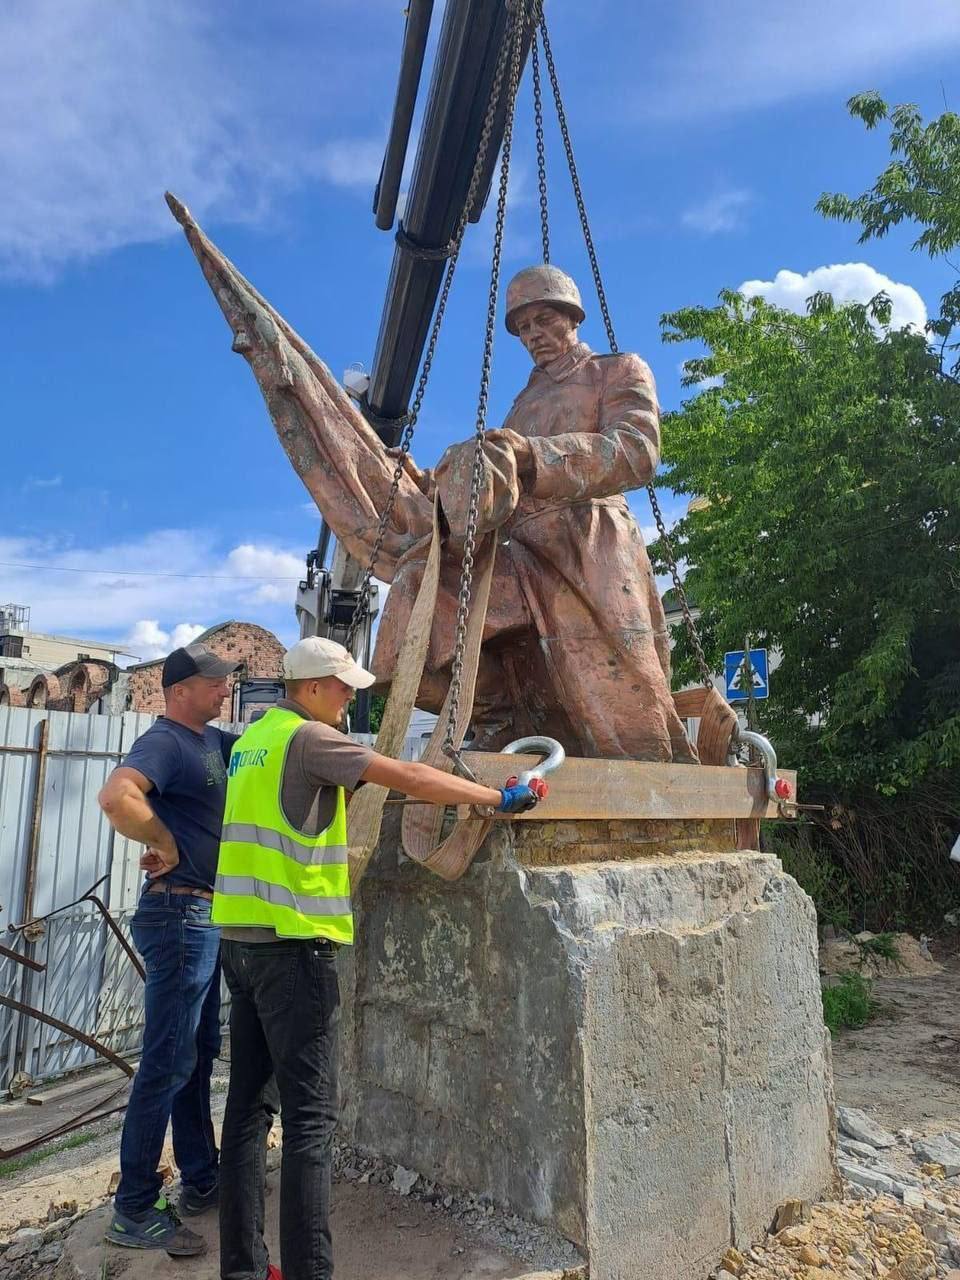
(847, 282)
(104, 106)
(721, 212)
(723, 55)
(148, 640)
(106, 596)
(250, 561)
(349, 162)
(42, 482)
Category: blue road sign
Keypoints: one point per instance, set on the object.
(735, 672)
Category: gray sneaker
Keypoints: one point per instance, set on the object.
(158, 1228)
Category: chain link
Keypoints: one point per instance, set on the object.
(541, 147)
(665, 542)
(515, 43)
(363, 596)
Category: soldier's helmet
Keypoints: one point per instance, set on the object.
(542, 284)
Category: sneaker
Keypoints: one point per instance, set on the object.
(193, 1202)
(158, 1228)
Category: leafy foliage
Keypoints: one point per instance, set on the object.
(824, 450)
(921, 184)
(848, 1002)
(829, 458)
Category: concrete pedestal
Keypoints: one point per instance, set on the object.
(613, 1029)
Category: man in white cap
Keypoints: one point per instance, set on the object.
(282, 899)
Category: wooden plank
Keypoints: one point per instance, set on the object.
(625, 789)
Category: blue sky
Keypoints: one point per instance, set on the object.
(135, 442)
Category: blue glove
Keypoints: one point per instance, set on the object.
(517, 800)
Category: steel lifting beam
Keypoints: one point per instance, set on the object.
(463, 71)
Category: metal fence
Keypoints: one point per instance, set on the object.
(55, 844)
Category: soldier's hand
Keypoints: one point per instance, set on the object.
(419, 477)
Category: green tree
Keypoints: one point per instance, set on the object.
(920, 185)
(827, 446)
(829, 458)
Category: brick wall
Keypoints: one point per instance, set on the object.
(258, 649)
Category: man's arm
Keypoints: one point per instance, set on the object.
(422, 782)
(124, 801)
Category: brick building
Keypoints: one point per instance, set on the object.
(259, 650)
(101, 687)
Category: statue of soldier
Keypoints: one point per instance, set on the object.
(575, 644)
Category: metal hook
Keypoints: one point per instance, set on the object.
(778, 789)
(553, 753)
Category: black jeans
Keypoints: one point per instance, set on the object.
(283, 1048)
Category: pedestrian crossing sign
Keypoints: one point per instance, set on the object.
(735, 674)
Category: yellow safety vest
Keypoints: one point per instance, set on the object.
(269, 874)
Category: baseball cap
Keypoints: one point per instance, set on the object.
(194, 660)
(314, 658)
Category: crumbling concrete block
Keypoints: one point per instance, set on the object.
(631, 1052)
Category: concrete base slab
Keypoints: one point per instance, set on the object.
(377, 1236)
(630, 1051)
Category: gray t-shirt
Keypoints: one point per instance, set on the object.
(319, 760)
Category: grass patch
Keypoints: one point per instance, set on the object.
(9, 1168)
(849, 1003)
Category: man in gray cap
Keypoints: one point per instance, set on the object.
(168, 793)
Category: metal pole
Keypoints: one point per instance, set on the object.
(29, 887)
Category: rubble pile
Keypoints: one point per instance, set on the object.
(898, 1219)
(505, 1231)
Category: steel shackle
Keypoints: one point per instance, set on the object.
(778, 789)
(553, 753)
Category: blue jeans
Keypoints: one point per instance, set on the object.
(181, 1039)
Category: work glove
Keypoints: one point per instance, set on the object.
(517, 799)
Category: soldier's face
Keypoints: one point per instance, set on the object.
(547, 332)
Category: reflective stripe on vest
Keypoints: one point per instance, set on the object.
(269, 874)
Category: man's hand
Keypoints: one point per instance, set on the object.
(156, 861)
(517, 800)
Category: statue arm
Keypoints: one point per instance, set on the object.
(621, 455)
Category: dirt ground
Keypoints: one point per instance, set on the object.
(377, 1235)
(903, 1070)
(904, 1067)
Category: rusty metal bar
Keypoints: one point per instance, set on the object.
(22, 959)
(30, 874)
(65, 1027)
(29, 887)
(19, 928)
(117, 932)
(62, 751)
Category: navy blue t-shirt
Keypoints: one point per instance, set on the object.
(189, 777)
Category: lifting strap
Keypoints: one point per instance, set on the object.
(422, 823)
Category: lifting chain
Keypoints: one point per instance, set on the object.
(541, 148)
(665, 542)
(410, 419)
(515, 44)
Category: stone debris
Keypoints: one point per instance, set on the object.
(898, 1218)
(403, 1180)
(857, 1125)
(494, 1228)
(943, 1150)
